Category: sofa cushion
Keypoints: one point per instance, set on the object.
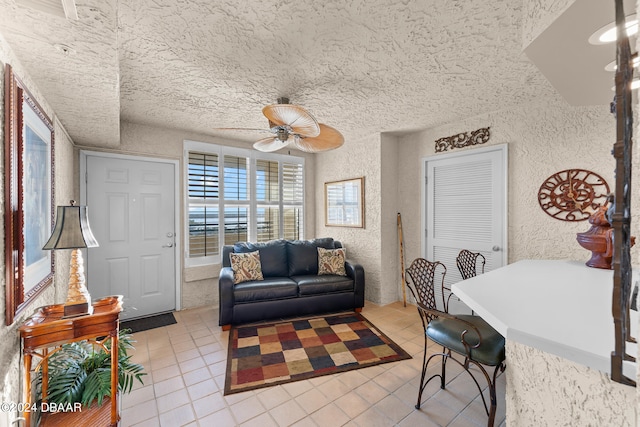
(314, 285)
(273, 256)
(303, 255)
(331, 261)
(272, 288)
(246, 267)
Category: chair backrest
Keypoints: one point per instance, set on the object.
(423, 276)
(469, 263)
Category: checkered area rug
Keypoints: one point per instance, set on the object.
(277, 353)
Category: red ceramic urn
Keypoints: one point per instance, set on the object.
(599, 239)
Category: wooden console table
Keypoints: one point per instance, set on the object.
(47, 329)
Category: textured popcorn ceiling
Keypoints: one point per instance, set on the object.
(360, 66)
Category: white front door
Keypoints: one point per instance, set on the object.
(466, 199)
(131, 206)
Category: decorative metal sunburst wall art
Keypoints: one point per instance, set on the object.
(460, 140)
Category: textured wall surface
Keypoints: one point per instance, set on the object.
(390, 279)
(548, 391)
(83, 85)
(10, 363)
(361, 158)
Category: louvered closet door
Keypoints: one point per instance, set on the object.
(465, 209)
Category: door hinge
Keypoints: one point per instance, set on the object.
(426, 180)
(86, 177)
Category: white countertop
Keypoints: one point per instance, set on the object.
(561, 307)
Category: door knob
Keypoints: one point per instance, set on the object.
(496, 248)
(168, 245)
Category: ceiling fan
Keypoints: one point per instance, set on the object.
(290, 124)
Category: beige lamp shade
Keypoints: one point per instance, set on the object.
(71, 230)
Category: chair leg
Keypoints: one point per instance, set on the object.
(424, 373)
(494, 404)
(492, 395)
(491, 382)
(443, 373)
(425, 365)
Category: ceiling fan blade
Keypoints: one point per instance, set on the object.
(271, 144)
(329, 139)
(299, 119)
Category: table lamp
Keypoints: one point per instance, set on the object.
(72, 231)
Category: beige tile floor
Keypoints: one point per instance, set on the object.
(186, 365)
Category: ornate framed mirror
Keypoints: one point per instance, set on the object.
(28, 196)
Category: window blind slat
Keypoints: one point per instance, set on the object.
(203, 184)
(268, 223)
(267, 188)
(203, 176)
(292, 183)
(236, 183)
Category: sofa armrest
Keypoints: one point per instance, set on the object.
(356, 272)
(225, 298)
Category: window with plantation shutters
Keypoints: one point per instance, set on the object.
(267, 200)
(236, 192)
(236, 195)
(292, 200)
(203, 193)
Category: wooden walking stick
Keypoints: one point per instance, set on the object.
(404, 286)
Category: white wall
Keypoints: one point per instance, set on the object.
(390, 279)
(362, 158)
(10, 363)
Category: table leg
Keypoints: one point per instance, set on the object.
(45, 374)
(27, 389)
(114, 379)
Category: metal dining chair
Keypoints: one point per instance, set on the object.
(466, 335)
(470, 264)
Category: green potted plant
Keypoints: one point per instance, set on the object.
(81, 371)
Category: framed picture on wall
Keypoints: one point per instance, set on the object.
(28, 196)
(344, 203)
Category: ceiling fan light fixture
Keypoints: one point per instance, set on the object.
(607, 34)
(282, 134)
(635, 84)
(612, 66)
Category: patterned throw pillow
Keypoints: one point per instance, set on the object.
(331, 261)
(246, 267)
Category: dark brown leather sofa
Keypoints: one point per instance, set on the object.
(291, 285)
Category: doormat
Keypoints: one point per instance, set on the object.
(277, 353)
(146, 323)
